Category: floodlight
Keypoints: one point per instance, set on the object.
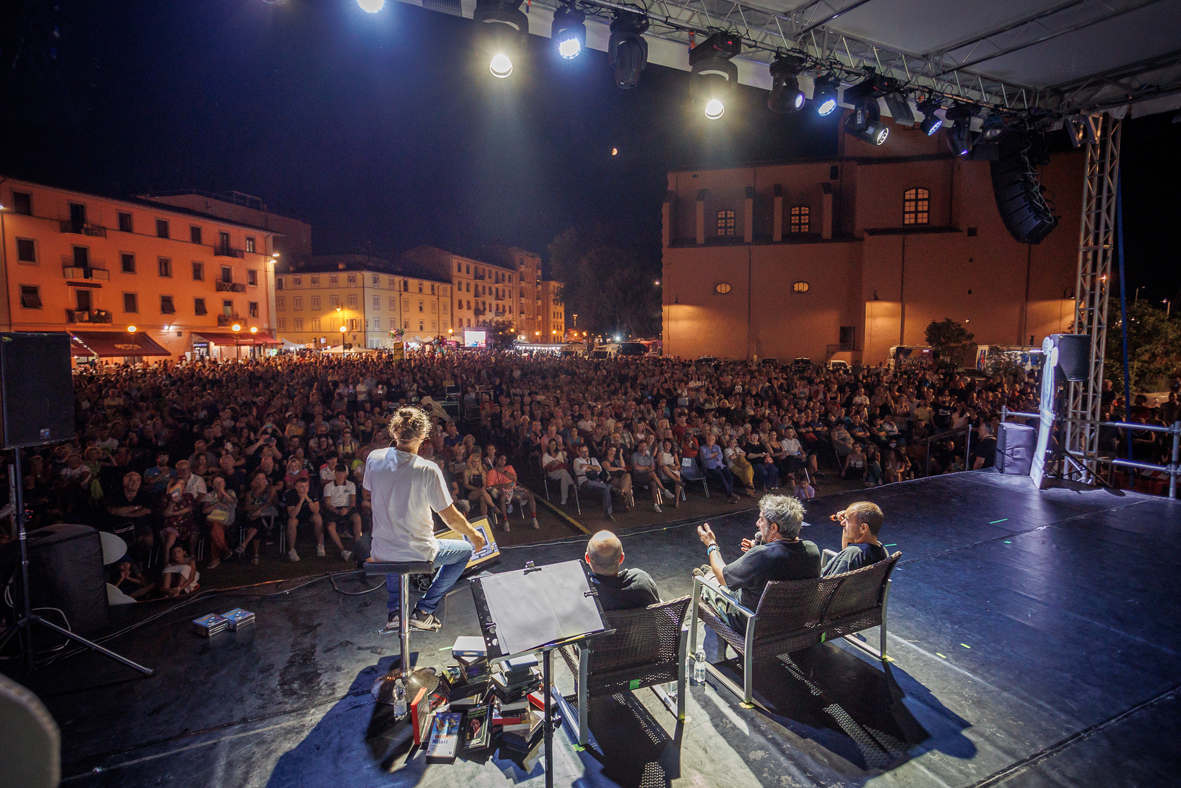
(713, 78)
(959, 137)
(501, 29)
(569, 30)
(992, 128)
(865, 122)
(786, 95)
(371, 6)
(627, 49)
(824, 94)
(931, 122)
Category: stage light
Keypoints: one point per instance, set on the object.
(865, 122)
(501, 29)
(931, 122)
(786, 95)
(713, 78)
(569, 30)
(992, 128)
(959, 137)
(824, 94)
(371, 6)
(501, 65)
(627, 49)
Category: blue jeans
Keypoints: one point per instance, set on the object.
(451, 560)
(723, 477)
(592, 486)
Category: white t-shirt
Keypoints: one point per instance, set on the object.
(339, 496)
(404, 489)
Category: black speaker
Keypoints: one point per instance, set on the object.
(1015, 444)
(1074, 355)
(1018, 192)
(36, 389)
(66, 573)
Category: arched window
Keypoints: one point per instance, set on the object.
(800, 215)
(722, 288)
(916, 206)
(725, 222)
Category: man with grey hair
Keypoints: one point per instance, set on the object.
(781, 556)
(618, 589)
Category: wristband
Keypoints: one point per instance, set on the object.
(709, 550)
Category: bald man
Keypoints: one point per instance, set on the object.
(619, 589)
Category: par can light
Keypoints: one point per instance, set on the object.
(931, 122)
(714, 109)
(569, 31)
(824, 94)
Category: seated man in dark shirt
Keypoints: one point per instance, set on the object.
(860, 524)
(781, 556)
(618, 589)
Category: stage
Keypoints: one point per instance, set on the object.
(1036, 640)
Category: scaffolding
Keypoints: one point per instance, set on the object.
(1096, 244)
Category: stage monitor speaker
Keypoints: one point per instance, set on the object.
(36, 389)
(1018, 192)
(1015, 444)
(1074, 355)
(66, 572)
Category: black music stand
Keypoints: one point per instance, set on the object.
(538, 609)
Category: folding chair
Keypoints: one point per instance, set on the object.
(690, 472)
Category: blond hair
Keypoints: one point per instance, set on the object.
(409, 424)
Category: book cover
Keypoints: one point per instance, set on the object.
(469, 646)
(444, 741)
(477, 730)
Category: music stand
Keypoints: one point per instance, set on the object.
(538, 609)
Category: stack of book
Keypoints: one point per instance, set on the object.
(518, 677)
(238, 618)
(210, 625)
(472, 657)
(519, 722)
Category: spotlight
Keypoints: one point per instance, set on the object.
(992, 128)
(959, 138)
(931, 122)
(824, 94)
(501, 28)
(865, 122)
(713, 78)
(786, 95)
(988, 144)
(627, 49)
(569, 31)
(371, 6)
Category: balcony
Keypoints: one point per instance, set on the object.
(229, 320)
(479, 277)
(84, 316)
(82, 272)
(81, 228)
(479, 311)
(229, 287)
(225, 251)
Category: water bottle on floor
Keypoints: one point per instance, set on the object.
(399, 699)
(699, 666)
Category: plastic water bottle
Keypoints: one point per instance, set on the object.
(699, 666)
(399, 699)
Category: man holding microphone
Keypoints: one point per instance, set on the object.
(404, 490)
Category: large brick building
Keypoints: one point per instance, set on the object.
(844, 258)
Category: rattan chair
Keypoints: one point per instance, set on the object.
(795, 614)
(647, 649)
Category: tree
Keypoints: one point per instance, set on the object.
(952, 341)
(501, 333)
(1154, 346)
(609, 288)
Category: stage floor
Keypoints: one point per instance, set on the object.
(1036, 639)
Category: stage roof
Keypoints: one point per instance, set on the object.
(1062, 55)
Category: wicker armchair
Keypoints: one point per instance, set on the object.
(795, 614)
(647, 649)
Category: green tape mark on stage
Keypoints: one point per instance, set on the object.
(1008, 541)
(890, 545)
(965, 645)
(940, 655)
(1003, 519)
(634, 684)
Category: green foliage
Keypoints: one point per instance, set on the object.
(609, 288)
(951, 340)
(501, 333)
(1154, 346)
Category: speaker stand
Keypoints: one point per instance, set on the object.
(27, 619)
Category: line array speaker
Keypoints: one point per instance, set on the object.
(1018, 192)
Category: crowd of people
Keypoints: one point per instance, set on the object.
(230, 456)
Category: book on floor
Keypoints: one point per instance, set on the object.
(444, 741)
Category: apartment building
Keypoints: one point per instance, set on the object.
(133, 278)
(358, 301)
(292, 237)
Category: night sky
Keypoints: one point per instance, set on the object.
(386, 131)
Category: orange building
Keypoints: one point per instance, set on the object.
(97, 266)
(844, 258)
(292, 240)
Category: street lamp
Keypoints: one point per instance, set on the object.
(237, 348)
(131, 329)
(342, 330)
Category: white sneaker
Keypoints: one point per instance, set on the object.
(320, 550)
(656, 507)
(346, 555)
(292, 555)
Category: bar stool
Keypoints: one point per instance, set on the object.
(404, 569)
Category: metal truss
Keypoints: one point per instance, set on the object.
(1147, 79)
(1096, 242)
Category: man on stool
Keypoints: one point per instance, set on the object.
(404, 490)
